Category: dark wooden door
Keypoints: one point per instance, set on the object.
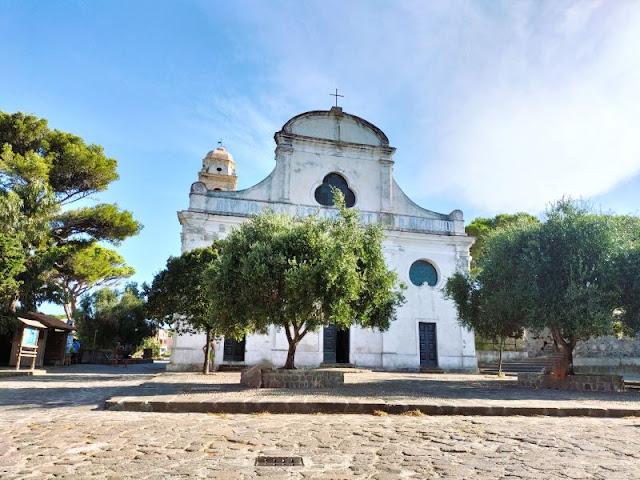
(336, 345)
(428, 344)
(233, 350)
(329, 337)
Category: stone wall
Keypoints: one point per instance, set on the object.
(610, 347)
(538, 343)
(598, 355)
(598, 347)
(267, 378)
(602, 355)
(586, 383)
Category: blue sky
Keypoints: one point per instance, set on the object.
(493, 106)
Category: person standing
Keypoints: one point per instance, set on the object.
(212, 354)
(76, 346)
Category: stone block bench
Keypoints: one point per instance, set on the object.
(586, 383)
(261, 377)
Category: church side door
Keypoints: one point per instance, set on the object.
(336, 345)
(233, 350)
(329, 338)
(428, 344)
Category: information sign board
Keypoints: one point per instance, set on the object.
(30, 337)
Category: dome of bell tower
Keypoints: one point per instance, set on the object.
(218, 170)
(219, 153)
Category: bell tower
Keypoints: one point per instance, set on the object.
(218, 170)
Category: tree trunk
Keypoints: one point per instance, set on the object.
(68, 310)
(213, 355)
(13, 306)
(500, 357)
(291, 355)
(293, 338)
(205, 366)
(567, 349)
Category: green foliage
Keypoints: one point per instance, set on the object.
(303, 273)
(103, 222)
(481, 228)
(570, 265)
(11, 265)
(77, 169)
(179, 292)
(626, 280)
(22, 132)
(40, 171)
(79, 268)
(493, 299)
(153, 344)
(179, 296)
(569, 274)
(117, 317)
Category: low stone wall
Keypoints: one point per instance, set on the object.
(585, 383)
(257, 377)
(607, 366)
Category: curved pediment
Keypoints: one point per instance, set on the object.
(336, 125)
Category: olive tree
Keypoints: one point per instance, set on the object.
(563, 275)
(179, 296)
(494, 299)
(304, 273)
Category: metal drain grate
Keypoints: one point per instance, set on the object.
(279, 462)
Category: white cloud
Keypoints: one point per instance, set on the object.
(505, 106)
(555, 114)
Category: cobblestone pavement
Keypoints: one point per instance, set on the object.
(57, 430)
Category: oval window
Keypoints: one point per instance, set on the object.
(422, 272)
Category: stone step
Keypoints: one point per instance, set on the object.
(515, 364)
(495, 364)
(337, 365)
(513, 370)
(428, 369)
(525, 365)
(231, 367)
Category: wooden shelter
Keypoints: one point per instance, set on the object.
(52, 340)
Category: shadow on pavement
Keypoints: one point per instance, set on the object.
(79, 385)
(91, 385)
(92, 395)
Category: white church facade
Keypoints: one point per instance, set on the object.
(313, 151)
